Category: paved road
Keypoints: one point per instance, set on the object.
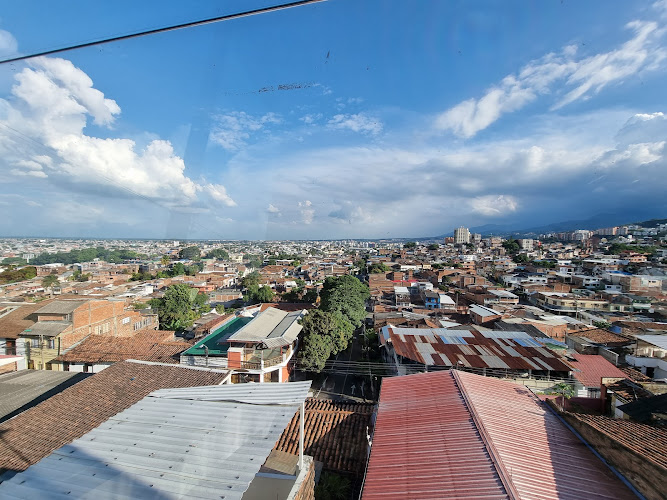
(338, 384)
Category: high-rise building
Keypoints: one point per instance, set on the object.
(461, 235)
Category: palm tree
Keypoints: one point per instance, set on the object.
(565, 391)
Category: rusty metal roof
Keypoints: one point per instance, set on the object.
(590, 369)
(472, 348)
(458, 435)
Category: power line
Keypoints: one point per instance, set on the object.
(165, 29)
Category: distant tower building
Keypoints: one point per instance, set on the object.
(461, 236)
(476, 238)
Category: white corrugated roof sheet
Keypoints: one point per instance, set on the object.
(200, 442)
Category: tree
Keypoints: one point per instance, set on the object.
(220, 309)
(310, 296)
(164, 260)
(326, 333)
(190, 253)
(410, 244)
(264, 294)
(49, 281)
(511, 246)
(347, 295)
(604, 325)
(433, 246)
(251, 279)
(332, 487)
(218, 253)
(175, 308)
(379, 267)
(178, 269)
(565, 391)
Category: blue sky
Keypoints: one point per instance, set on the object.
(341, 119)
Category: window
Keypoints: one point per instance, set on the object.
(51, 343)
(34, 343)
(125, 321)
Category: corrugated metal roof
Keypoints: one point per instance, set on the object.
(426, 446)
(271, 326)
(473, 348)
(458, 435)
(589, 369)
(202, 442)
(61, 307)
(536, 452)
(656, 340)
(46, 328)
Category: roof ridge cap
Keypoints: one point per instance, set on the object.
(498, 465)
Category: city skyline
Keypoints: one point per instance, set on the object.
(331, 121)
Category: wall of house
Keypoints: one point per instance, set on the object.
(636, 469)
(304, 487)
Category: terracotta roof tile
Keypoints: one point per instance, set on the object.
(148, 346)
(35, 433)
(334, 434)
(645, 440)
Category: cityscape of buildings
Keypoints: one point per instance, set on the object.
(333, 250)
(570, 325)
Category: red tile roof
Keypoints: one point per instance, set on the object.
(334, 434)
(458, 435)
(647, 441)
(35, 433)
(590, 369)
(147, 345)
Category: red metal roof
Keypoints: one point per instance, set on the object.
(589, 369)
(476, 351)
(458, 435)
(425, 444)
(536, 451)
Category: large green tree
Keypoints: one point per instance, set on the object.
(264, 294)
(190, 253)
(324, 334)
(49, 281)
(175, 308)
(218, 253)
(346, 295)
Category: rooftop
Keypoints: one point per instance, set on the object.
(47, 328)
(147, 345)
(475, 348)
(272, 327)
(35, 433)
(590, 369)
(61, 307)
(458, 435)
(195, 442)
(26, 388)
(334, 434)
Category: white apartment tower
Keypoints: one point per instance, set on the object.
(461, 235)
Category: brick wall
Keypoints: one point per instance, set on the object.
(639, 471)
(10, 367)
(307, 489)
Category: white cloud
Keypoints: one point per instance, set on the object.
(311, 118)
(273, 210)
(494, 205)
(643, 127)
(43, 138)
(583, 77)
(307, 212)
(232, 130)
(356, 123)
(8, 45)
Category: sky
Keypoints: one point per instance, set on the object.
(342, 119)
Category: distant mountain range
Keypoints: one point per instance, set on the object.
(595, 222)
